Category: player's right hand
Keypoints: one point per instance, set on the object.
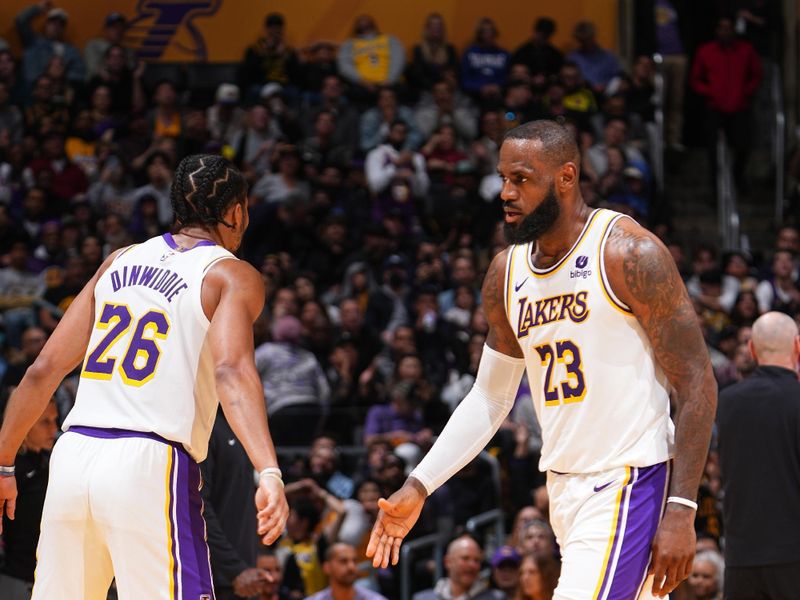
(273, 509)
(8, 498)
(395, 519)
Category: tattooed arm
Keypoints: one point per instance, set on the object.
(500, 337)
(644, 276)
(469, 429)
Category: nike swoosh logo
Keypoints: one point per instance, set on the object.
(600, 488)
(231, 442)
(519, 285)
(30, 474)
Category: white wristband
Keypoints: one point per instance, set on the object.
(273, 471)
(682, 501)
(272, 475)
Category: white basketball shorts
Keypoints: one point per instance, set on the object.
(605, 524)
(125, 505)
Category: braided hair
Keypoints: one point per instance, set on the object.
(204, 187)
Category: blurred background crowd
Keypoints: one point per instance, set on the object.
(374, 212)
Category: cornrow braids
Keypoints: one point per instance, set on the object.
(204, 187)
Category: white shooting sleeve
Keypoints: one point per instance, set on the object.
(474, 421)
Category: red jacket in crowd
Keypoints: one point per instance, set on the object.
(67, 179)
(727, 76)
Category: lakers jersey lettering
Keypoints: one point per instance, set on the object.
(148, 366)
(598, 392)
(549, 310)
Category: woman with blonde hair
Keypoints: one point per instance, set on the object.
(432, 55)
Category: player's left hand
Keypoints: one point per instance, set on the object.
(272, 509)
(8, 498)
(673, 549)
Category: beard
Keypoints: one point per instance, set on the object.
(533, 225)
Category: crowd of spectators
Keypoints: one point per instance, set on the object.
(374, 211)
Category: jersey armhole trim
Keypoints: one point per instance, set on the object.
(198, 306)
(605, 285)
(123, 251)
(214, 261)
(509, 278)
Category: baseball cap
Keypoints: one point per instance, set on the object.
(633, 172)
(227, 93)
(395, 260)
(115, 18)
(270, 89)
(57, 13)
(505, 554)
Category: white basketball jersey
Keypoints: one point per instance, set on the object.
(148, 366)
(599, 394)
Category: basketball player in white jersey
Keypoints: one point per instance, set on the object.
(163, 333)
(592, 306)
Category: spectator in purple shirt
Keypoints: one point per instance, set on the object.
(341, 567)
(400, 423)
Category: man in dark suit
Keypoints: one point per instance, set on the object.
(758, 422)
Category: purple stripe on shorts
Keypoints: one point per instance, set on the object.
(172, 523)
(199, 526)
(195, 573)
(620, 515)
(644, 514)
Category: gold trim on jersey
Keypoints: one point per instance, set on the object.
(131, 247)
(214, 261)
(168, 518)
(541, 273)
(604, 284)
(509, 279)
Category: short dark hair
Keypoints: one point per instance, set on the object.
(306, 511)
(329, 551)
(557, 140)
(204, 187)
(274, 19)
(546, 26)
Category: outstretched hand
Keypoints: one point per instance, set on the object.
(272, 509)
(396, 517)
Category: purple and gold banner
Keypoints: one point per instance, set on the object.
(220, 30)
